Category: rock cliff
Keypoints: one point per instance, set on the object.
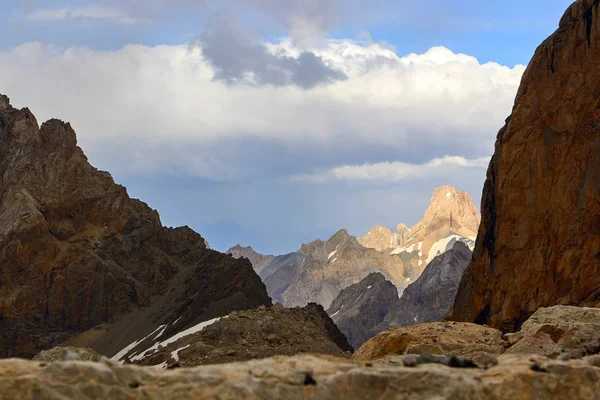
(362, 306)
(76, 251)
(539, 241)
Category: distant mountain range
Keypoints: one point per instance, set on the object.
(320, 270)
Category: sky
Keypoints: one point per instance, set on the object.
(273, 123)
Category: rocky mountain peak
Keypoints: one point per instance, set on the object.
(77, 251)
(453, 207)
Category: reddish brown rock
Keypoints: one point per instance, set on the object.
(76, 250)
(539, 241)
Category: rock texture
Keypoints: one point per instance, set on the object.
(306, 377)
(559, 331)
(445, 338)
(77, 251)
(67, 354)
(362, 306)
(430, 297)
(539, 241)
(250, 334)
(321, 269)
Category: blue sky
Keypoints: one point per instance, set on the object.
(272, 123)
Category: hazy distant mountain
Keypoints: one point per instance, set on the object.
(321, 269)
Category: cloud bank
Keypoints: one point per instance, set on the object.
(169, 109)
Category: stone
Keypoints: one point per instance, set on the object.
(67, 354)
(438, 338)
(559, 331)
(539, 240)
(305, 377)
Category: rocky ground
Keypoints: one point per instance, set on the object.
(250, 334)
(309, 377)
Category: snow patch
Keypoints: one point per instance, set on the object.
(175, 354)
(440, 247)
(332, 254)
(332, 261)
(335, 313)
(369, 287)
(448, 195)
(117, 357)
(137, 357)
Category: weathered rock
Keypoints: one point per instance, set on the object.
(430, 297)
(76, 250)
(443, 338)
(305, 377)
(362, 306)
(559, 331)
(539, 241)
(244, 335)
(67, 354)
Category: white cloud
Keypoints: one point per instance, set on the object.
(396, 171)
(80, 13)
(144, 110)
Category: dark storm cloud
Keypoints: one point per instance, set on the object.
(239, 56)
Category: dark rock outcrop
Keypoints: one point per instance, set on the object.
(246, 335)
(430, 297)
(539, 241)
(76, 250)
(362, 306)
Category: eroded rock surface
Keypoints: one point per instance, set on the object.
(539, 241)
(306, 377)
(444, 338)
(559, 331)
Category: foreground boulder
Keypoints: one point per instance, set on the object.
(306, 377)
(539, 240)
(444, 338)
(244, 335)
(559, 331)
(76, 251)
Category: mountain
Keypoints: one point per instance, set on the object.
(81, 261)
(321, 269)
(362, 306)
(243, 335)
(259, 261)
(539, 241)
(430, 297)
(451, 215)
(381, 238)
(371, 306)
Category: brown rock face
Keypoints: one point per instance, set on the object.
(539, 241)
(447, 338)
(76, 250)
